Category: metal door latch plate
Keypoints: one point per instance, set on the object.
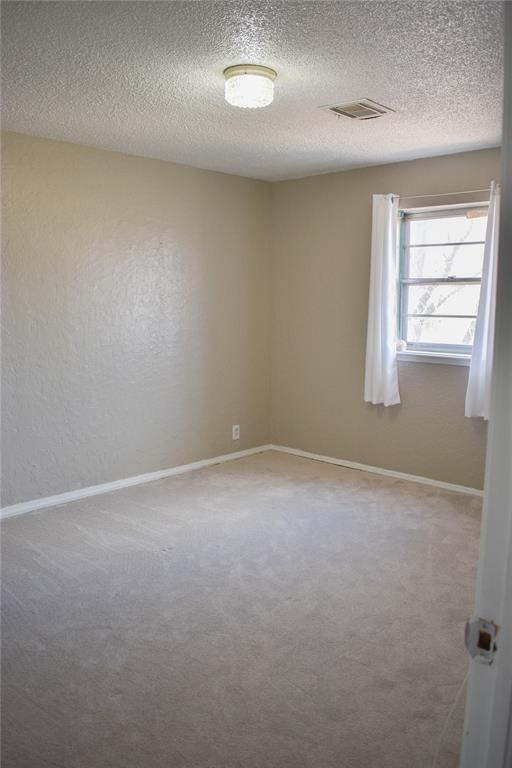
(480, 637)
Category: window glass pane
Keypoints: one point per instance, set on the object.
(440, 330)
(445, 299)
(447, 229)
(446, 261)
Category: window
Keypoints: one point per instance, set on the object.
(441, 255)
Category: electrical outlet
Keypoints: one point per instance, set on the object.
(235, 431)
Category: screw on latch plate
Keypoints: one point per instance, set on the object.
(480, 639)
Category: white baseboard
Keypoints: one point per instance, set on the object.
(115, 485)
(379, 471)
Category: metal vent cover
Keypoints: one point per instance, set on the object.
(364, 109)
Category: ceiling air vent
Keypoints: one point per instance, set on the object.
(364, 109)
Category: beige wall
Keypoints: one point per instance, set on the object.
(322, 228)
(135, 315)
(137, 319)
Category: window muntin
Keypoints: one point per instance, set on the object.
(440, 273)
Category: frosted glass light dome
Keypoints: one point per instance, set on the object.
(249, 86)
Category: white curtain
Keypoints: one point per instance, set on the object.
(478, 393)
(381, 375)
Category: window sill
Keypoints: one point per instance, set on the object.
(433, 357)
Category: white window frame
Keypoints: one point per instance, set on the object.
(455, 354)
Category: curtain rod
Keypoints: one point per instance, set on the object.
(445, 194)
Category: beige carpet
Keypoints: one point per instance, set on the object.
(272, 612)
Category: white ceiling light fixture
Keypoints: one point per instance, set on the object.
(249, 86)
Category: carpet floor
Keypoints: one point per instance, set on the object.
(271, 612)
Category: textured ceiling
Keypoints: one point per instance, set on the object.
(146, 78)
